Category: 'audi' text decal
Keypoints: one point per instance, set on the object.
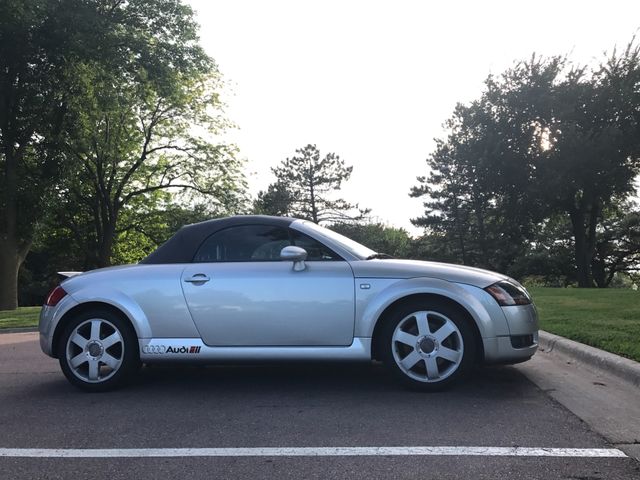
(161, 349)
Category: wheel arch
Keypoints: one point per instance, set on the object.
(478, 306)
(425, 297)
(86, 307)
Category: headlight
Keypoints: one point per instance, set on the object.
(508, 294)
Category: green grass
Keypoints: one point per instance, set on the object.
(604, 318)
(22, 317)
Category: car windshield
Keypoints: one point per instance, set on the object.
(353, 247)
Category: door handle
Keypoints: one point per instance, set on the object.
(198, 278)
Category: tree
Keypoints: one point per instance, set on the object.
(582, 129)
(105, 101)
(66, 242)
(546, 138)
(549, 256)
(137, 140)
(276, 200)
(304, 186)
(447, 209)
(378, 237)
(150, 126)
(480, 223)
(618, 244)
(40, 41)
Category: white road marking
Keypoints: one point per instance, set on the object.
(309, 452)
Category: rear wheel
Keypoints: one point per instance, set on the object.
(98, 351)
(428, 346)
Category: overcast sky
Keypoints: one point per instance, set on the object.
(373, 81)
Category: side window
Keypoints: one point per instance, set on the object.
(315, 250)
(246, 243)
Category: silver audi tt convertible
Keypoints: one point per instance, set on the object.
(258, 289)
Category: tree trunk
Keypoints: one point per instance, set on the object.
(598, 273)
(482, 235)
(312, 198)
(11, 253)
(583, 259)
(601, 276)
(105, 249)
(10, 261)
(584, 221)
(460, 231)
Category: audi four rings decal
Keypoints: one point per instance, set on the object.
(161, 349)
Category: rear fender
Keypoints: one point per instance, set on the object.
(117, 299)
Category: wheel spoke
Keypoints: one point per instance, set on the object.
(423, 324)
(93, 369)
(79, 340)
(404, 337)
(110, 361)
(78, 360)
(111, 340)
(444, 331)
(432, 368)
(95, 329)
(449, 354)
(410, 360)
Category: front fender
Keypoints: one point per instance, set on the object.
(381, 293)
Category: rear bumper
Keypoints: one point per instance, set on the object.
(522, 341)
(45, 327)
(49, 319)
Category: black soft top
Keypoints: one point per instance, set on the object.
(182, 247)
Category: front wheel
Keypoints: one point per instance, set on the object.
(428, 346)
(98, 351)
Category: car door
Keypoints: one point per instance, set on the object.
(240, 293)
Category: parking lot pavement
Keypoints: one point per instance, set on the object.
(289, 406)
(608, 404)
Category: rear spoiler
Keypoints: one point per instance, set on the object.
(65, 275)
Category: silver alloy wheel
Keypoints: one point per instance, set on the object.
(427, 346)
(95, 350)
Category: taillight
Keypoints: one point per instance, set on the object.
(55, 296)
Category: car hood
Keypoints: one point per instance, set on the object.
(392, 268)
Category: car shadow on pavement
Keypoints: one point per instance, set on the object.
(369, 378)
(303, 378)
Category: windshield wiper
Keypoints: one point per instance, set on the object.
(379, 256)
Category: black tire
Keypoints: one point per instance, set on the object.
(125, 351)
(464, 342)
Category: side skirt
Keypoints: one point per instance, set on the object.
(193, 350)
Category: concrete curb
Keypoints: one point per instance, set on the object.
(621, 367)
(18, 330)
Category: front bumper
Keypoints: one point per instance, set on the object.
(522, 341)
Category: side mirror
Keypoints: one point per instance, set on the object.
(296, 255)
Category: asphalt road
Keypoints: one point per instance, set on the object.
(285, 406)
